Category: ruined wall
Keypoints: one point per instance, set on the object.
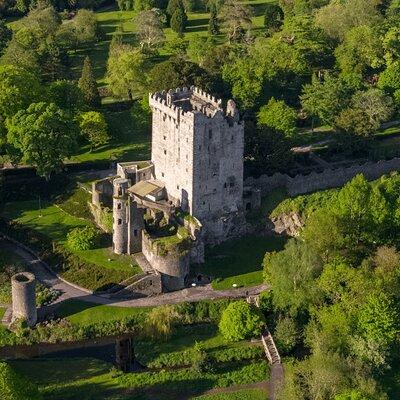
(102, 192)
(327, 179)
(173, 266)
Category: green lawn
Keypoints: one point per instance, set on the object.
(246, 394)
(238, 261)
(54, 223)
(84, 313)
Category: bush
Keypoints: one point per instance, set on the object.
(240, 320)
(82, 238)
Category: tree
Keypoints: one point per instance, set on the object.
(18, 88)
(82, 238)
(43, 135)
(160, 321)
(379, 320)
(5, 35)
(277, 115)
(13, 386)
(213, 23)
(286, 334)
(240, 321)
(126, 71)
(360, 53)
(179, 20)
(178, 72)
(237, 18)
(273, 17)
(199, 48)
(94, 128)
(67, 96)
(88, 85)
(85, 27)
(325, 99)
(173, 5)
(149, 30)
(338, 17)
(391, 45)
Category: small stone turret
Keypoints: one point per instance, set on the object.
(24, 298)
(120, 216)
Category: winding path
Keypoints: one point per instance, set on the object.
(69, 291)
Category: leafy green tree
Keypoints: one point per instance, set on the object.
(82, 238)
(273, 17)
(14, 386)
(172, 6)
(379, 320)
(67, 96)
(352, 395)
(291, 273)
(94, 128)
(178, 72)
(277, 115)
(179, 20)
(237, 19)
(18, 88)
(43, 135)
(85, 27)
(339, 17)
(325, 99)
(199, 49)
(391, 45)
(88, 85)
(240, 321)
(286, 334)
(126, 71)
(360, 53)
(213, 23)
(5, 35)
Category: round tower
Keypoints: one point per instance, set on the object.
(120, 216)
(24, 297)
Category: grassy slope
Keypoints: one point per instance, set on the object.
(55, 224)
(84, 313)
(239, 261)
(246, 394)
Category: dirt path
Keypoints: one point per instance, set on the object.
(70, 291)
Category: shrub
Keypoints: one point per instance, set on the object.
(240, 320)
(82, 238)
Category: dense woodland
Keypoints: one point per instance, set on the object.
(312, 63)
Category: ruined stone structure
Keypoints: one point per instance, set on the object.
(192, 186)
(24, 297)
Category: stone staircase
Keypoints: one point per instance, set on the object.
(270, 348)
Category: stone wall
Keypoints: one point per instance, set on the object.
(173, 267)
(327, 179)
(24, 297)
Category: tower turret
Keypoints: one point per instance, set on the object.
(120, 216)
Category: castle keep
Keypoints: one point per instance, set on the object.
(189, 193)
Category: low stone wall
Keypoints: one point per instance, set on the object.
(173, 267)
(326, 179)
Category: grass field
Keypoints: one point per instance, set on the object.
(238, 261)
(246, 394)
(54, 223)
(83, 313)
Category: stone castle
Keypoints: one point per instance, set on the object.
(191, 192)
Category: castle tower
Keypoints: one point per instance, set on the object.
(197, 151)
(120, 216)
(136, 226)
(24, 297)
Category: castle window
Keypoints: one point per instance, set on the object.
(210, 133)
(231, 184)
(204, 203)
(162, 174)
(135, 232)
(119, 191)
(119, 221)
(232, 137)
(119, 206)
(165, 151)
(200, 147)
(165, 138)
(225, 185)
(177, 186)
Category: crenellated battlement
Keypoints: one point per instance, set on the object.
(191, 101)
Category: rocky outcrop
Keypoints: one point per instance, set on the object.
(289, 224)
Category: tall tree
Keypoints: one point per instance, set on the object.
(149, 30)
(87, 84)
(237, 18)
(94, 128)
(42, 136)
(179, 20)
(273, 17)
(213, 24)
